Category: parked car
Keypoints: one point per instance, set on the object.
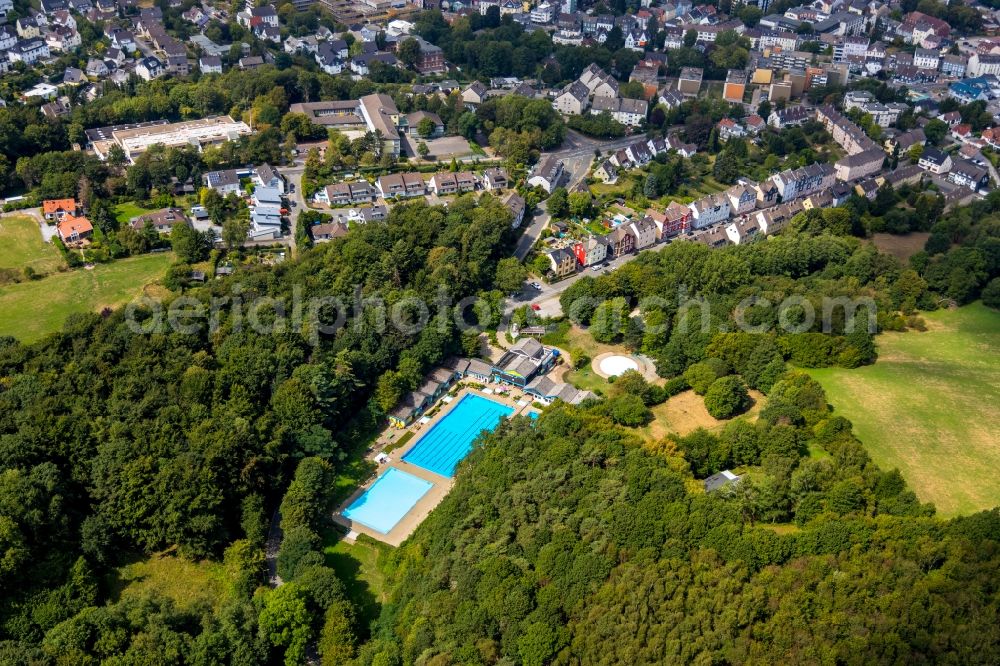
(537, 285)
(536, 307)
(597, 267)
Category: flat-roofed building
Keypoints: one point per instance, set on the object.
(689, 82)
(343, 115)
(135, 140)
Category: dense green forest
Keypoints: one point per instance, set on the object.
(569, 541)
(113, 442)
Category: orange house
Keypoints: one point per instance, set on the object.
(55, 209)
(73, 229)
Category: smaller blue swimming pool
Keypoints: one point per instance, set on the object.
(388, 500)
(450, 439)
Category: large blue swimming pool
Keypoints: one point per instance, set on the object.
(450, 440)
(388, 500)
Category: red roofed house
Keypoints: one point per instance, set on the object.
(961, 132)
(729, 128)
(73, 229)
(754, 123)
(992, 137)
(55, 209)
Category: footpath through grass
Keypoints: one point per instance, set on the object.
(31, 310)
(930, 406)
(21, 245)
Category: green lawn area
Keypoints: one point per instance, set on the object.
(585, 378)
(21, 245)
(929, 406)
(356, 565)
(126, 211)
(186, 582)
(34, 309)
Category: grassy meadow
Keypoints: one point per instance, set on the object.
(21, 246)
(33, 309)
(930, 406)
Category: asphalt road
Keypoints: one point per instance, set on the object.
(547, 298)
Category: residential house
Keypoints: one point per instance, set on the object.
(28, 51)
(444, 183)
(742, 231)
(431, 60)
(681, 148)
(729, 129)
(210, 64)
(401, 185)
(149, 68)
(671, 99)
(562, 262)
(224, 182)
(709, 210)
(620, 242)
(27, 28)
(56, 209)
(267, 176)
(72, 229)
(969, 175)
(742, 198)
(591, 251)
(926, 59)
(163, 220)
(860, 165)
(791, 116)
(934, 160)
(954, 65)
(630, 112)
(572, 100)
(339, 194)
(547, 173)
(516, 205)
(328, 59)
(96, 68)
(676, 219)
(795, 183)
(981, 64)
(607, 172)
(322, 233)
(644, 231)
(8, 37)
(474, 95)
(598, 82)
(495, 178)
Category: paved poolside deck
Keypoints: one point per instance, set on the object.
(441, 484)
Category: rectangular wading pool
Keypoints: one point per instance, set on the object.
(389, 499)
(450, 439)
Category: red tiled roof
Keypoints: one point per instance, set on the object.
(70, 224)
(50, 206)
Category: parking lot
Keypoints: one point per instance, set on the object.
(442, 149)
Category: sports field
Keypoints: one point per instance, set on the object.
(930, 406)
(30, 310)
(21, 245)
